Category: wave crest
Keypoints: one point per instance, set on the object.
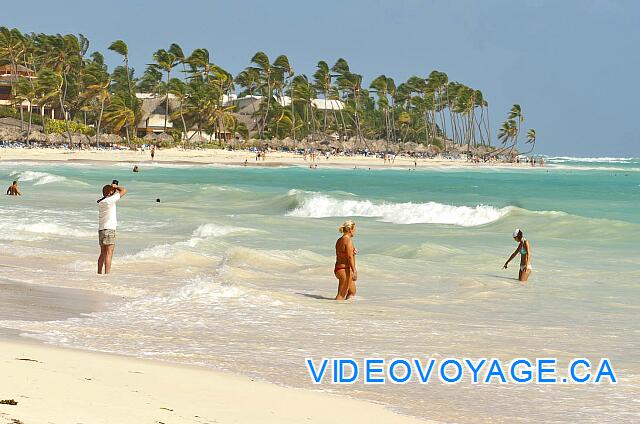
(199, 235)
(50, 228)
(38, 178)
(322, 206)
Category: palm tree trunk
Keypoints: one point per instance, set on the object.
(21, 117)
(29, 126)
(266, 113)
(184, 124)
(166, 103)
(99, 122)
(66, 119)
(293, 112)
(324, 125)
(126, 66)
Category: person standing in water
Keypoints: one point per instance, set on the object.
(345, 268)
(13, 190)
(107, 223)
(524, 248)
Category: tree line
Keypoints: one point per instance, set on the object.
(430, 109)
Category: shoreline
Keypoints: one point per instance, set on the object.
(175, 156)
(108, 387)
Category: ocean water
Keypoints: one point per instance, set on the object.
(233, 270)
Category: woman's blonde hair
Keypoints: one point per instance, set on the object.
(346, 226)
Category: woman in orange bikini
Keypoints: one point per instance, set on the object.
(345, 269)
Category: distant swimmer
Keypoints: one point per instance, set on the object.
(345, 268)
(158, 200)
(524, 248)
(107, 223)
(136, 169)
(13, 190)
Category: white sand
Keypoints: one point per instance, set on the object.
(69, 386)
(219, 156)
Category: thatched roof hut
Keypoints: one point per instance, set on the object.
(10, 134)
(56, 139)
(288, 143)
(409, 146)
(198, 138)
(36, 136)
(335, 144)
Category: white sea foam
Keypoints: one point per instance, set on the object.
(202, 288)
(199, 235)
(321, 206)
(561, 159)
(38, 178)
(45, 228)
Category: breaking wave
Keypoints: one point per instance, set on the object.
(47, 228)
(322, 206)
(200, 234)
(38, 178)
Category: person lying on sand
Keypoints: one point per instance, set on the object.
(524, 248)
(345, 268)
(13, 190)
(107, 224)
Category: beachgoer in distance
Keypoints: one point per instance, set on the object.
(135, 168)
(153, 152)
(345, 268)
(13, 190)
(107, 223)
(524, 248)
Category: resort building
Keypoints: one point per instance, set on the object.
(247, 106)
(152, 122)
(9, 75)
(153, 109)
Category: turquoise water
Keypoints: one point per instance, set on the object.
(233, 270)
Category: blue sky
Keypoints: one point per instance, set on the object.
(572, 65)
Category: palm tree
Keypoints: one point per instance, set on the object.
(119, 115)
(122, 49)
(508, 132)
(531, 139)
(165, 61)
(151, 81)
(200, 63)
(25, 92)
(265, 70)
(12, 48)
(96, 82)
(322, 82)
(49, 89)
(304, 93)
(381, 86)
(180, 90)
(515, 114)
(249, 80)
(284, 67)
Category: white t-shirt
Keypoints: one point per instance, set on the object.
(107, 212)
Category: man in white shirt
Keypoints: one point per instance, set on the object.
(107, 223)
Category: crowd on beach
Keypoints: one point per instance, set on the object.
(311, 155)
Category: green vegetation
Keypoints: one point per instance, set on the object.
(59, 127)
(430, 110)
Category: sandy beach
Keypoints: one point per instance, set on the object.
(63, 386)
(229, 157)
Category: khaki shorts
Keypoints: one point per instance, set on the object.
(106, 237)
